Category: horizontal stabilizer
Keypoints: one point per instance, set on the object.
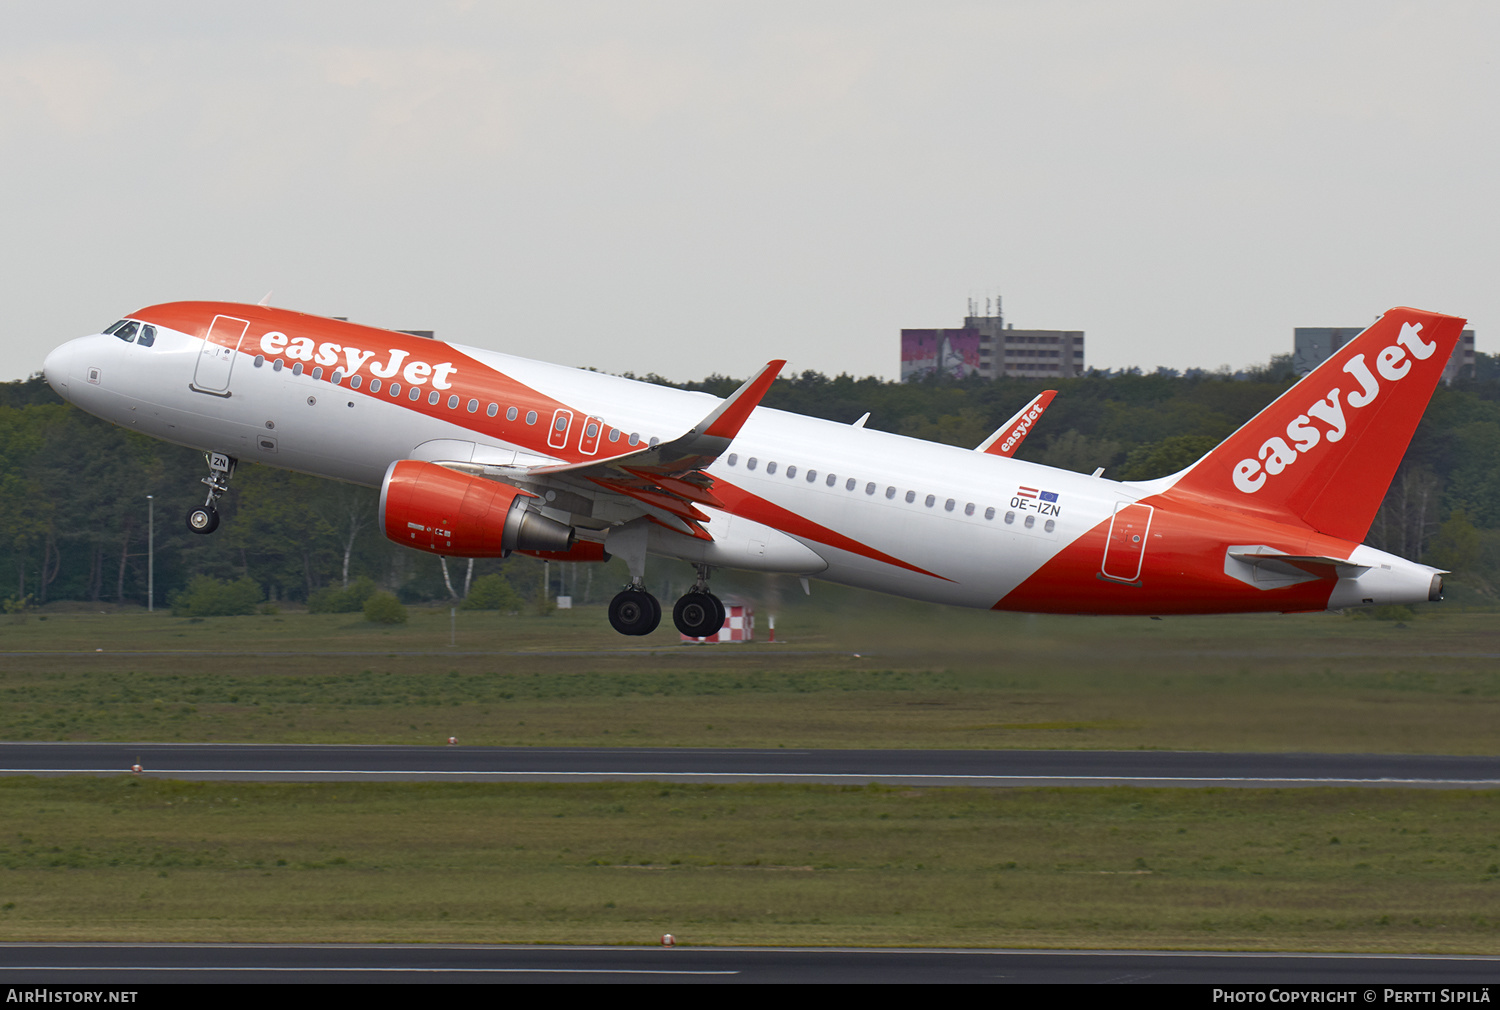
(1322, 567)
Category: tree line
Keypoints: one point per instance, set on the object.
(76, 520)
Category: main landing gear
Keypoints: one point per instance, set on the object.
(698, 613)
(205, 518)
(634, 611)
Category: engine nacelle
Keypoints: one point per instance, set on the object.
(442, 511)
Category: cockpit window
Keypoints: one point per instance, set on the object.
(133, 332)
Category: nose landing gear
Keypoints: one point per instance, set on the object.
(205, 518)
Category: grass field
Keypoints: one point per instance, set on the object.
(1314, 869)
(126, 859)
(873, 673)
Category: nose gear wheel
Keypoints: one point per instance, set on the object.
(204, 519)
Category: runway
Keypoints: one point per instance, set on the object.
(131, 965)
(996, 768)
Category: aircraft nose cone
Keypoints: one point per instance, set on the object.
(57, 368)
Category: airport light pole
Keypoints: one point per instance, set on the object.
(150, 554)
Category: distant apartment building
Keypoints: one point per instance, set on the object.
(986, 347)
(1313, 345)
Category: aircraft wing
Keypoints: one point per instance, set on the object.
(667, 479)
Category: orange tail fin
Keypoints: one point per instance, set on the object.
(1323, 454)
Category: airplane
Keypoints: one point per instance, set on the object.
(478, 453)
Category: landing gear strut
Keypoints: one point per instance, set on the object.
(205, 518)
(699, 613)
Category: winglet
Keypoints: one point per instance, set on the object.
(731, 415)
(1009, 436)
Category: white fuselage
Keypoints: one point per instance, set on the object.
(847, 504)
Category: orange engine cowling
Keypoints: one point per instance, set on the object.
(582, 550)
(442, 511)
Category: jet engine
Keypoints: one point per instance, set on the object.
(442, 511)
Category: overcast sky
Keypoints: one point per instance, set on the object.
(697, 187)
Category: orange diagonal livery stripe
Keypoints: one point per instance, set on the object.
(743, 503)
(366, 353)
